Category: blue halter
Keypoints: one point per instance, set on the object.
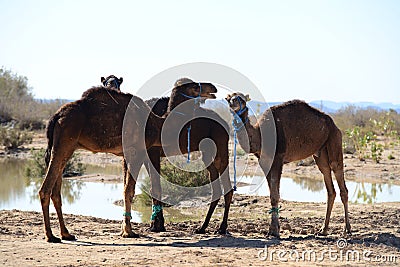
(196, 98)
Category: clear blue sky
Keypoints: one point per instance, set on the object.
(332, 50)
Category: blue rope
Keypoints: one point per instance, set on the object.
(188, 144)
(236, 120)
(234, 159)
(196, 101)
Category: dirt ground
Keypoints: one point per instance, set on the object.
(375, 239)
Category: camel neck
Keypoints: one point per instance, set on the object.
(176, 99)
(247, 133)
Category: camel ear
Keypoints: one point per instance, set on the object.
(102, 79)
(120, 80)
(247, 97)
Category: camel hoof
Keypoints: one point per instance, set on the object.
(223, 232)
(157, 229)
(273, 233)
(322, 232)
(69, 237)
(200, 231)
(53, 239)
(129, 235)
(346, 233)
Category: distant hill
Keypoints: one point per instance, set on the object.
(327, 106)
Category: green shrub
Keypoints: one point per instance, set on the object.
(12, 138)
(18, 104)
(376, 151)
(176, 176)
(37, 166)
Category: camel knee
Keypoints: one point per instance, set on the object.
(44, 198)
(331, 194)
(336, 167)
(344, 195)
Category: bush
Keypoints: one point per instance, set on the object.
(177, 176)
(37, 166)
(18, 104)
(12, 138)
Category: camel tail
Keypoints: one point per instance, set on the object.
(49, 134)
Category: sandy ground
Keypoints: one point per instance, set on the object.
(375, 239)
(376, 230)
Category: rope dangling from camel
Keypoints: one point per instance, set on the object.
(188, 144)
(196, 101)
(237, 125)
(234, 158)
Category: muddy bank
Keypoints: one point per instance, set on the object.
(375, 230)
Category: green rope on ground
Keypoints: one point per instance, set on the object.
(127, 214)
(156, 209)
(274, 210)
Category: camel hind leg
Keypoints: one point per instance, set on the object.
(323, 165)
(51, 188)
(335, 155)
(216, 193)
(223, 170)
(56, 198)
(131, 173)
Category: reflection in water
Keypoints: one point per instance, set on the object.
(309, 184)
(11, 184)
(362, 195)
(96, 199)
(311, 190)
(70, 190)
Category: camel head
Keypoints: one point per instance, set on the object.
(237, 102)
(112, 82)
(190, 89)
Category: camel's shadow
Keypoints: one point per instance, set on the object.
(387, 239)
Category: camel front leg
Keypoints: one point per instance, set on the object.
(153, 169)
(129, 193)
(228, 191)
(273, 178)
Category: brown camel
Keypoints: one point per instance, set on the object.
(207, 124)
(300, 131)
(93, 123)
